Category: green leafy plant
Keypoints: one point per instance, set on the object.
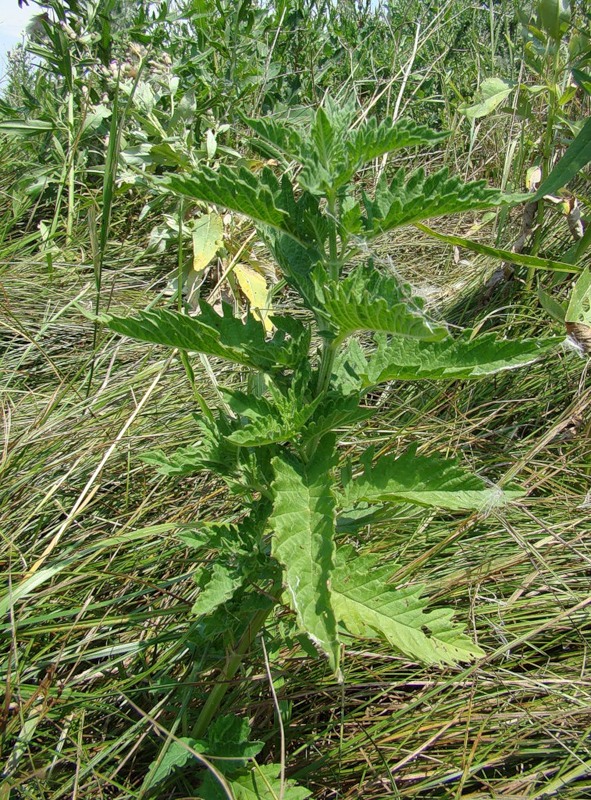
(275, 444)
(553, 86)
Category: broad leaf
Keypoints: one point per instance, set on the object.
(463, 358)
(262, 198)
(370, 301)
(228, 737)
(336, 412)
(239, 190)
(369, 606)
(373, 139)
(207, 235)
(270, 420)
(219, 582)
(254, 287)
(296, 262)
(423, 480)
(408, 200)
(226, 337)
(283, 136)
(492, 93)
(303, 521)
(579, 307)
(177, 755)
(554, 17)
(256, 783)
(212, 451)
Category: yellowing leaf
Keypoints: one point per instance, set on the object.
(254, 287)
(532, 178)
(207, 237)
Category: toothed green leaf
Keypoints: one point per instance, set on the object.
(303, 522)
(398, 358)
(262, 197)
(372, 139)
(426, 481)
(278, 419)
(282, 135)
(336, 412)
(226, 337)
(257, 783)
(212, 451)
(369, 606)
(218, 583)
(407, 200)
(370, 301)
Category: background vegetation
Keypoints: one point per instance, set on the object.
(103, 664)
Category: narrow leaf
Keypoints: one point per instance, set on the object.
(21, 127)
(506, 255)
(578, 155)
(370, 607)
(303, 521)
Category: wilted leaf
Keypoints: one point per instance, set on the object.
(254, 287)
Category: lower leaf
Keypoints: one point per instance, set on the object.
(303, 522)
(369, 606)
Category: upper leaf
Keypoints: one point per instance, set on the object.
(370, 301)
(419, 197)
(282, 135)
(270, 420)
(398, 358)
(226, 337)
(262, 198)
(334, 150)
(369, 606)
(303, 522)
(423, 480)
(373, 139)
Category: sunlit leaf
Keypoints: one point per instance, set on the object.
(303, 521)
(371, 607)
(492, 93)
(426, 481)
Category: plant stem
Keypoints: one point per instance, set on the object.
(546, 160)
(233, 662)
